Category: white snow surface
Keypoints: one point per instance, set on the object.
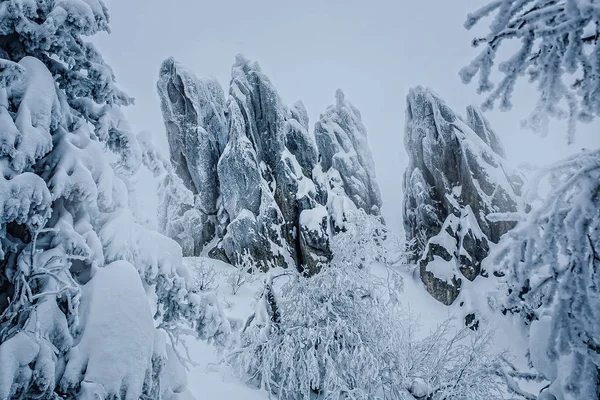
(313, 218)
(442, 269)
(209, 379)
(116, 346)
(539, 335)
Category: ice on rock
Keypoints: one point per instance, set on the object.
(315, 234)
(480, 125)
(265, 119)
(299, 113)
(287, 151)
(243, 193)
(456, 177)
(263, 110)
(266, 159)
(243, 234)
(239, 173)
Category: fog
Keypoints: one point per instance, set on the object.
(373, 50)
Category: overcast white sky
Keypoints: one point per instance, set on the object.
(373, 50)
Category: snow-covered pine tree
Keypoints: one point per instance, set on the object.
(552, 265)
(560, 47)
(88, 297)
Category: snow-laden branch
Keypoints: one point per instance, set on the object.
(559, 47)
(550, 261)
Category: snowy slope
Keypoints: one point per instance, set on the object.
(210, 380)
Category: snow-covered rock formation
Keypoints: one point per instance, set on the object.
(342, 141)
(455, 178)
(252, 167)
(194, 115)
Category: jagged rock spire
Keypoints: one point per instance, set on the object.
(194, 115)
(456, 176)
(343, 146)
(268, 193)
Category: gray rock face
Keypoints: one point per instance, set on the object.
(244, 234)
(455, 178)
(239, 173)
(262, 109)
(269, 196)
(342, 143)
(256, 106)
(194, 115)
(299, 141)
(481, 127)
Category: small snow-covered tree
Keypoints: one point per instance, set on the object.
(88, 296)
(336, 335)
(363, 239)
(454, 363)
(551, 261)
(204, 275)
(244, 273)
(560, 43)
(318, 337)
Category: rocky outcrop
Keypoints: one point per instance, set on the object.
(299, 141)
(269, 195)
(342, 143)
(258, 116)
(194, 115)
(455, 178)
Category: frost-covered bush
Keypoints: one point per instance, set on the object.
(337, 335)
(560, 43)
(363, 241)
(551, 261)
(551, 258)
(325, 334)
(204, 275)
(89, 297)
(244, 273)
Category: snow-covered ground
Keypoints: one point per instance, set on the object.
(211, 380)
